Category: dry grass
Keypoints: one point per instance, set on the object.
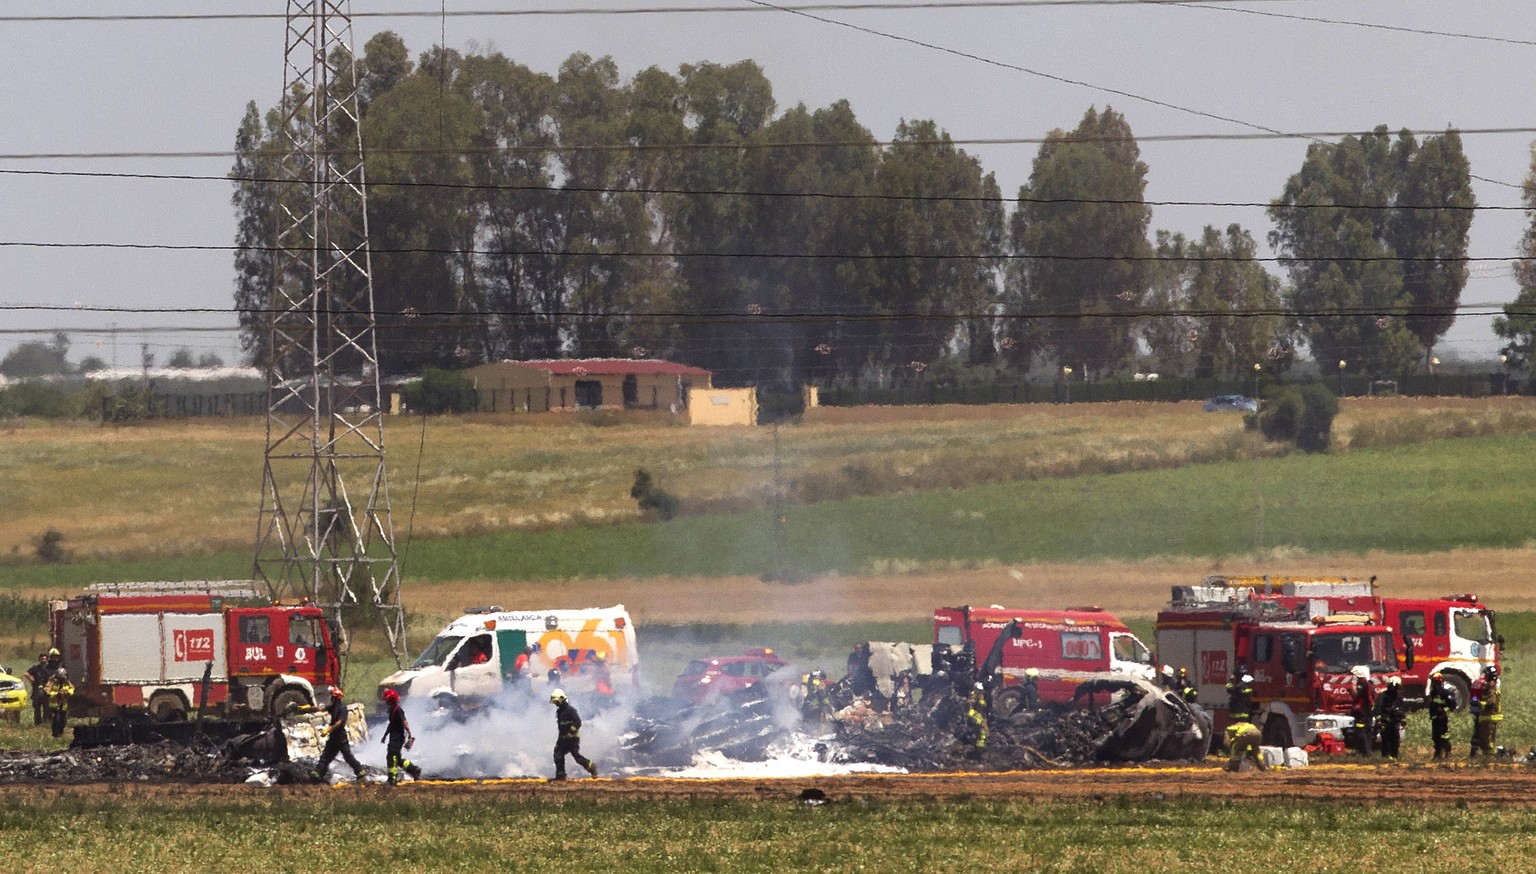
(1132, 589)
(193, 488)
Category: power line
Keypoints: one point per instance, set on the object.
(795, 256)
(1260, 135)
(896, 6)
(948, 198)
(1416, 31)
(422, 319)
(1044, 75)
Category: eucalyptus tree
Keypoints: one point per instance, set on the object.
(1518, 324)
(1214, 310)
(1374, 235)
(1080, 245)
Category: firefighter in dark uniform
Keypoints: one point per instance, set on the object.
(39, 674)
(1031, 686)
(568, 735)
(336, 740)
(816, 702)
(398, 738)
(58, 690)
(1363, 709)
(1240, 695)
(1390, 712)
(1442, 700)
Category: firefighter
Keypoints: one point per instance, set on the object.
(1167, 679)
(1442, 700)
(902, 697)
(336, 740)
(1240, 695)
(1031, 686)
(815, 703)
(1243, 740)
(1487, 712)
(976, 717)
(861, 678)
(522, 678)
(1363, 709)
(602, 678)
(398, 738)
(39, 674)
(58, 690)
(568, 735)
(1186, 689)
(1390, 712)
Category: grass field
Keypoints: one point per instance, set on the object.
(890, 513)
(369, 831)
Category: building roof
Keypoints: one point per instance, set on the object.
(609, 367)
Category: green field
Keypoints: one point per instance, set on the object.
(1426, 497)
(363, 831)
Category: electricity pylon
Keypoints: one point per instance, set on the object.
(325, 531)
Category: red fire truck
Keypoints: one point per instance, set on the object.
(1455, 635)
(1305, 665)
(1066, 647)
(166, 655)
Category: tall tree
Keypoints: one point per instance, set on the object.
(1230, 306)
(939, 226)
(1080, 237)
(1429, 231)
(1347, 241)
(1518, 324)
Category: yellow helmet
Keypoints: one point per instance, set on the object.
(556, 696)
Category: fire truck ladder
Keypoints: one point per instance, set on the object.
(325, 530)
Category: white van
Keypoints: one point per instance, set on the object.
(475, 657)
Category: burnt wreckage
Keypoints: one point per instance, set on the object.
(902, 705)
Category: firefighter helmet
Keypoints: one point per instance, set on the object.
(391, 696)
(557, 696)
(53, 651)
(1437, 676)
(1491, 672)
(1032, 673)
(336, 692)
(1167, 670)
(1394, 681)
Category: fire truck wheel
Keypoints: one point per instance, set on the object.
(167, 707)
(1007, 701)
(287, 700)
(1461, 689)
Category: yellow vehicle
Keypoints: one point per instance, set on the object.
(14, 699)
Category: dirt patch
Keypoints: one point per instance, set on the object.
(1124, 588)
(1510, 785)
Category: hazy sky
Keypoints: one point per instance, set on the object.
(982, 72)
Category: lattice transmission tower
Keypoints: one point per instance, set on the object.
(325, 530)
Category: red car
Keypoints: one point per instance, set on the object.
(717, 676)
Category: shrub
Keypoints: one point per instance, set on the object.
(50, 546)
(650, 497)
(441, 391)
(39, 400)
(1302, 415)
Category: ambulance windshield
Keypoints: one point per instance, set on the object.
(437, 651)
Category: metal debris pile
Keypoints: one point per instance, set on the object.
(205, 762)
(1120, 720)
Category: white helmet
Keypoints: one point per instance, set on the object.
(557, 696)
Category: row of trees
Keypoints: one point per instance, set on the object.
(34, 358)
(515, 214)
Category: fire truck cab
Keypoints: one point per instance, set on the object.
(1455, 635)
(1065, 647)
(1305, 665)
